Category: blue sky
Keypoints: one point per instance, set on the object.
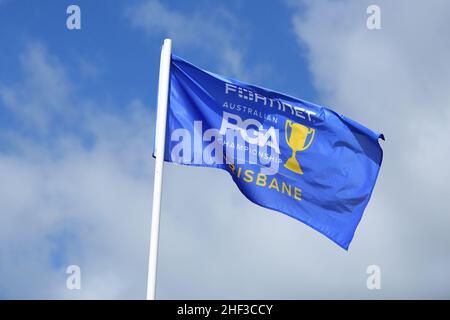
(77, 115)
(117, 51)
(112, 60)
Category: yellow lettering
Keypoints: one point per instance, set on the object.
(274, 184)
(286, 187)
(261, 180)
(297, 194)
(248, 176)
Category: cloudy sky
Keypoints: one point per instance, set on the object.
(77, 112)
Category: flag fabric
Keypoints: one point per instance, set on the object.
(283, 153)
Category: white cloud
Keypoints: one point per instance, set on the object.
(394, 80)
(71, 197)
(44, 86)
(213, 30)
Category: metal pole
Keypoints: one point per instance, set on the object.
(161, 119)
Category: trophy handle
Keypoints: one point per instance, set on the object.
(288, 123)
(310, 140)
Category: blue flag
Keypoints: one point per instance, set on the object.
(283, 153)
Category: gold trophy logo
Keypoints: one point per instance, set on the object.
(297, 142)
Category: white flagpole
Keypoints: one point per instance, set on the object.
(161, 117)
